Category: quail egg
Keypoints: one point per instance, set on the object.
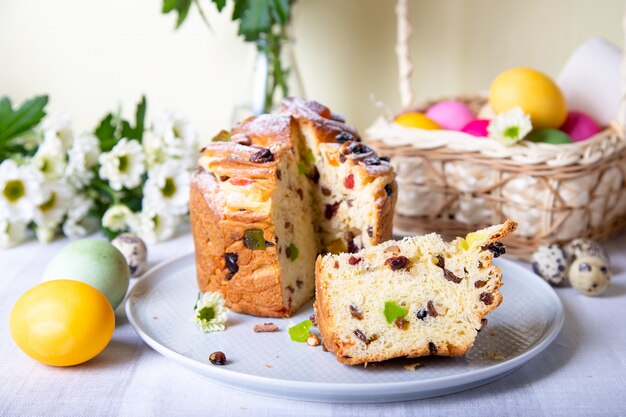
(590, 275)
(134, 250)
(550, 263)
(584, 247)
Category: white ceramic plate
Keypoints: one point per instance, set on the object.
(160, 307)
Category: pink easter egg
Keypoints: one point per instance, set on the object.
(579, 126)
(477, 127)
(452, 115)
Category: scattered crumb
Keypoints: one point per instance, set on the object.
(155, 318)
(267, 365)
(589, 376)
(242, 408)
(313, 340)
(492, 333)
(265, 328)
(496, 356)
(413, 366)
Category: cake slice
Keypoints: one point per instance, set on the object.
(415, 297)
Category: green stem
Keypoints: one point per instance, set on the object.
(104, 188)
(276, 74)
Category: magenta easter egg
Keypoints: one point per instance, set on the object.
(477, 128)
(451, 115)
(579, 126)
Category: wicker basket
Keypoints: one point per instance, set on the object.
(453, 183)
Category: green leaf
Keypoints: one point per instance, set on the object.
(239, 9)
(281, 9)
(27, 116)
(393, 311)
(219, 4)
(179, 6)
(255, 20)
(140, 118)
(105, 132)
(300, 332)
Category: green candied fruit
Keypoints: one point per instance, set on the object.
(292, 252)
(393, 311)
(309, 157)
(302, 169)
(300, 332)
(222, 136)
(253, 239)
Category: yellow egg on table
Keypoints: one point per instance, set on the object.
(531, 90)
(62, 322)
(417, 120)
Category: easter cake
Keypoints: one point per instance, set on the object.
(276, 191)
(415, 297)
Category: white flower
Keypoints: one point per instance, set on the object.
(83, 156)
(153, 226)
(50, 158)
(50, 213)
(117, 218)
(20, 191)
(210, 313)
(167, 188)
(77, 223)
(171, 137)
(60, 126)
(45, 234)
(510, 127)
(11, 233)
(123, 166)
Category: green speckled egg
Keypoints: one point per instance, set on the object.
(553, 136)
(95, 262)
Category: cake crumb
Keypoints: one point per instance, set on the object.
(265, 328)
(413, 366)
(267, 365)
(313, 340)
(496, 356)
(492, 333)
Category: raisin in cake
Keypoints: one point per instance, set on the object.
(415, 297)
(275, 192)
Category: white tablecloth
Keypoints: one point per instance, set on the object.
(582, 373)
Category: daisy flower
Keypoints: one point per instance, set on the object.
(83, 156)
(210, 312)
(60, 126)
(167, 188)
(77, 222)
(176, 137)
(20, 191)
(123, 166)
(117, 218)
(510, 127)
(49, 215)
(11, 233)
(153, 226)
(50, 158)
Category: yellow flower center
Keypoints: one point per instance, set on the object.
(49, 204)
(169, 189)
(14, 190)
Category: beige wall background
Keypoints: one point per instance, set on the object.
(92, 56)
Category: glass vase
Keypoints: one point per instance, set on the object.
(274, 75)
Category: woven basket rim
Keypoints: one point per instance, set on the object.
(600, 146)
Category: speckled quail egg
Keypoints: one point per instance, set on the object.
(134, 250)
(590, 275)
(584, 247)
(550, 263)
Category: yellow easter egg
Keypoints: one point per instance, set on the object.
(531, 90)
(417, 120)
